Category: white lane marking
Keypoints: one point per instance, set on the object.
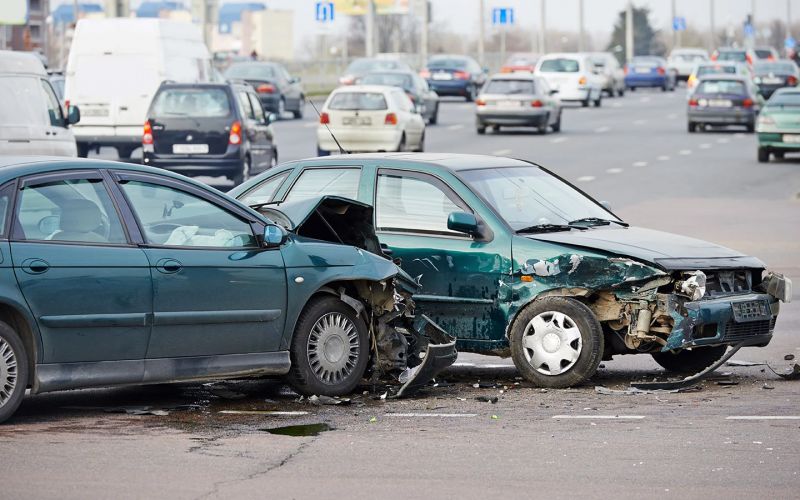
(644, 99)
(639, 122)
(616, 105)
(685, 152)
(672, 116)
(441, 415)
(738, 135)
(640, 164)
(501, 152)
(600, 130)
(264, 412)
(705, 145)
(764, 417)
(583, 110)
(600, 417)
(663, 158)
(723, 140)
(585, 178)
(556, 140)
(457, 126)
(614, 170)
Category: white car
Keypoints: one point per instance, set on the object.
(573, 76)
(368, 119)
(683, 61)
(607, 66)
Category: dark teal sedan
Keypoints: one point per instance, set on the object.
(115, 274)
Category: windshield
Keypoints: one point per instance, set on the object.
(784, 99)
(351, 101)
(23, 102)
(763, 53)
(721, 87)
(717, 68)
(527, 196)
(732, 55)
(560, 66)
(510, 87)
(193, 102)
(251, 72)
(390, 79)
(774, 67)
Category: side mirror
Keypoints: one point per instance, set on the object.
(486, 70)
(295, 79)
(462, 222)
(606, 205)
(270, 117)
(553, 91)
(73, 115)
(274, 236)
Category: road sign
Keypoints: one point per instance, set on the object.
(749, 30)
(679, 23)
(324, 12)
(503, 15)
(790, 42)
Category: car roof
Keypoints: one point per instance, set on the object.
(450, 161)
(21, 63)
(365, 88)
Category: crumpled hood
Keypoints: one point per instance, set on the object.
(666, 250)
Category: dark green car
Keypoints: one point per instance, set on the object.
(778, 125)
(114, 274)
(513, 260)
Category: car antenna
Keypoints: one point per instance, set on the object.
(341, 149)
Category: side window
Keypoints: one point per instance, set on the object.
(319, 181)
(245, 107)
(413, 204)
(5, 202)
(403, 102)
(77, 210)
(259, 111)
(264, 192)
(53, 106)
(171, 217)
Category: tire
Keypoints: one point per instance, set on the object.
(124, 152)
(281, 108)
(402, 145)
(435, 116)
(244, 173)
(585, 104)
(621, 92)
(470, 94)
(598, 101)
(689, 360)
(326, 328)
(298, 114)
(778, 155)
(527, 345)
(480, 129)
(763, 155)
(14, 371)
(632, 89)
(751, 127)
(541, 129)
(421, 147)
(664, 88)
(273, 162)
(692, 127)
(557, 125)
(322, 152)
(83, 149)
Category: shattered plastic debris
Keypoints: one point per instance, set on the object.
(372, 420)
(265, 412)
(734, 362)
(599, 389)
(487, 399)
(788, 357)
(327, 400)
(767, 386)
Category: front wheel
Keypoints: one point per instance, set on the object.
(598, 101)
(13, 371)
(557, 125)
(435, 116)
(689, 360)
(402, 145)
(692, 127)
(556, 342)
(421, 145)
(330, 349)
(763, 155)
(298, 113)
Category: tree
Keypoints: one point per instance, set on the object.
(646, 40)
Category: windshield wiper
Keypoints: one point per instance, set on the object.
(546, 228)
(596, 221)
(262, 205)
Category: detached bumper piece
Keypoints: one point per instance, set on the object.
(438, 356)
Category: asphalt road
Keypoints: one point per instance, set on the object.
(731, 441)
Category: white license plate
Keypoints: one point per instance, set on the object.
(720, 103)
(94, 112)
(442, 76)
(643, 70)
(190, 149)
(354, 120)
(791, 138)
(771, 81)
(508, 104)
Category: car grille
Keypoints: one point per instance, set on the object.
(751, 310)
(742, 331)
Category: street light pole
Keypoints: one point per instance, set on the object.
(543, 27)
(713, 27)
(482, 22)
(369, 36)
(629, 32)
(423, 39)
(674, 31)
(581, 35)
(788, 18)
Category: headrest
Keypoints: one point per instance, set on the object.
(80, 215)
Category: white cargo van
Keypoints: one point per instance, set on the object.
(32, 121)
(114, 68)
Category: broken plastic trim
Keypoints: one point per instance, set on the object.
(689, 381)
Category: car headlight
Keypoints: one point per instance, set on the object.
(765, 124)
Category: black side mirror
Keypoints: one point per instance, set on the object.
(553, 91)
(463, 222)
(73, 115)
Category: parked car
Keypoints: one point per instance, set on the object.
(425, 100)
(32, 120)
(209, 129)
(607, 66)
(521, 62)
(733, 54)
(513, 260)
(119, 274)
(683, 60)
(517, 99)
(716, 68)
(367, 118)
(724, 100)
(649, 71)
(115, 67)
(765, 54)
(278, 90)
(572, 75)
(364, 65)
(454, 75)
(772, 75)
(778, 125)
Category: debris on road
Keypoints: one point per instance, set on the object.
(265, 412)
(727, 382)
(788, 357)
(599, 389)
(487, 399)
(767, 386)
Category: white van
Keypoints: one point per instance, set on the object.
(32, 121)
(115, 67)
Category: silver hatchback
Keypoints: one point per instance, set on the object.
(517, 100)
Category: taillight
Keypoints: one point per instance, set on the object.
(791, 81)
(347, 80)
(693, 102)
(324, 119)
(626, 69)
(425, 74)
(537, 104)
(461, 75)
(748, 59)
(391, 119)
(747, 103)
(265, 88)
(714, 56)
(480, 102)
(582, 80)
(662, 71)
(506, 69)
(235, 136)
(147, 133)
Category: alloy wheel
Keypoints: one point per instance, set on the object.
(8, 371)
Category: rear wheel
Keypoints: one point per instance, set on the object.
(557, 125)
(330, 349)
(322, 152)
(83, 150)
(621, 92)
(542, 127)
(751, 127)
(435, 116)
(281, 108)
(586, 102)
(244, 173)
(598, 101)
(124, 152)
(13, 371)
(402, 145)
(480, 129)
(763, 155)
(298, 113)
(778, 155)
(470, 94)
(692, 127)
(421, 146)
(690, 360)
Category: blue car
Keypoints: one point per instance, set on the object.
(649, 71)
(451, 75)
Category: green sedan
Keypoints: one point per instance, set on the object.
(778, 125)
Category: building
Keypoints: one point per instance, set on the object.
(33, 35)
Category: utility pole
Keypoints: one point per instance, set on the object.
(629, 32)
(713, 27)
(581, 36)
(370, 31)
(674, 31)
(543, 27)
(482, 22)
(788, 18)
(423, 38)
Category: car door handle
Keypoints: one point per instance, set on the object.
(168, 266)
(35, 266)
(386, 250)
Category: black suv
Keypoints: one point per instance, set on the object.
(209, 129)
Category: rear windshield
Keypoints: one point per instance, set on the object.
(370, 65)
(782, 99)
(763, 53)
(689, 57)
(510, 87)
(710, 70)
(194, 102)
(645, 62)
(351, 101)
(732, 55)
(23, 101)
(721, 87)
(392, 80)
(560, 66)
(449, 63)
(251, 71)
(775, 67)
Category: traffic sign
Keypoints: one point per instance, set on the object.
(790, 42)
(503, 15)
(749, 30)
(324, 12)
(679, 23)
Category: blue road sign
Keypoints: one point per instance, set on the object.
(790, 42)
(749, 30)
(503, 15)
(679, 24)
(324, 12)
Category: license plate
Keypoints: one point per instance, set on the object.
(643, 70)
(442, 76)
(508, 104)
(720, 103)
(791, 138)
(94, 112)
(354, 120)
(772, 80)
(189, 149)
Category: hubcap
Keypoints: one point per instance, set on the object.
(8, 372)
(333, 348)
(552, 343)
